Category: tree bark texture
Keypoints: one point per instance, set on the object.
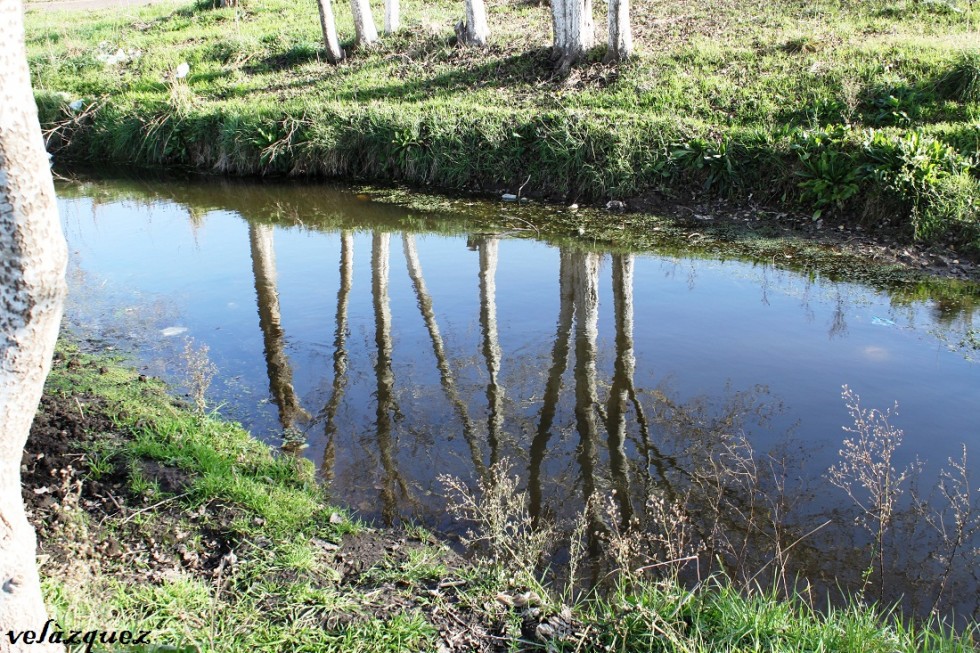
(474, 30)
(365, 33)
(620, 32)
(329, 26)
(574, 30)
(33, 258)
(392, 16)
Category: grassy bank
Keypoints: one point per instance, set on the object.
(860, 111)
(153, 517)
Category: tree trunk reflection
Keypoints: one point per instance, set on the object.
(438, 348)
(339, 355)
(277, 363)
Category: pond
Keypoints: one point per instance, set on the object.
(392, 346)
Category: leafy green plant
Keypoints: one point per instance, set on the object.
(709, 159)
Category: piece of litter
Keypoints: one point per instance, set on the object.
(172, 331)
(882, 321)
(182, 70)
(76, 105)
(508, 197)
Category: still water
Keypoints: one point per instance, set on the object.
(394, 346)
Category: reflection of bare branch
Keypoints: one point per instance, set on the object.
(491, 343)
(442, 361)
(339, 354)
(277, 363)
(552, 390)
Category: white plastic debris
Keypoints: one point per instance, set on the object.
(508, 197)
(76, 105)
(182, 70)
(172, 331)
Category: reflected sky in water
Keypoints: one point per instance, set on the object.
(398, 356)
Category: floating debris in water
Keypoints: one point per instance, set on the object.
(172, 331)
(882, 321)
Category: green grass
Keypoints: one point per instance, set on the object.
(864, 110)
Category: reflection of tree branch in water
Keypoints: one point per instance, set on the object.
(487, 247)
(385, 377)
(442, 362)
(277, 363)
(552, 390)
(339, 355)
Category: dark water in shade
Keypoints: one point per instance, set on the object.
(399, 352)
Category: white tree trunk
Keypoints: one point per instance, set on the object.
(365, 31)
(329, 27)
(392, 16)
(474, 30)
(33, 257)
(574, 30)
(620, 32)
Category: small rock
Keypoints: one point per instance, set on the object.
(615, 205)
(335, 518)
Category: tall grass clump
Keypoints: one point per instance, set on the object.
(962, 82)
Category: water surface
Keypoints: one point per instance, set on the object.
(397, 346)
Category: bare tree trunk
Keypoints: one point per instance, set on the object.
(329, 26)
(364, 30)
(33, 257)
(620, 32)
(270, 321)
(473, 30)
(339, 355)
(574, 31)
(392, 16)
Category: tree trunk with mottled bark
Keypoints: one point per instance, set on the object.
(365, 33)
(329, 26)
(620, 32)
(33, 257)
(574, 31)
(392, 16)
(473, 30)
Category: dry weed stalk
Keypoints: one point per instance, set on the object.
(199, 372)
(866, 473)
(503, 521)
(957, 523)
